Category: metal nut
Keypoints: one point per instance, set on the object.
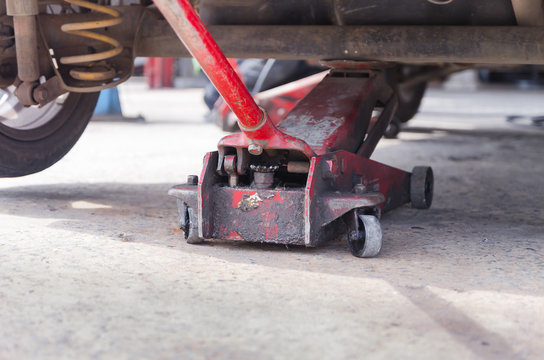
(41, 94)
(255, 149)
(192, 180)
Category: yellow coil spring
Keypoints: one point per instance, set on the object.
(100, 71)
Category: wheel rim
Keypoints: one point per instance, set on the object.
(357, 242)
(27, 123)
(366, 239)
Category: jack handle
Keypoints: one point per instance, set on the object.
(258, 130)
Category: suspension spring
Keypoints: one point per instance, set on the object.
(94, 66)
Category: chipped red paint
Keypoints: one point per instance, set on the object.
(269, 138)
(336, 114)
(295, 215)
(267, 234)
(277, 102)
(233, 235)
(277, 197)
(237, 197)
(264, 220)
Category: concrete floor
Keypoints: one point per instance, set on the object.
(92, 266)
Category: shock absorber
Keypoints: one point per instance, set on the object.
(24, 21)
(93, 66)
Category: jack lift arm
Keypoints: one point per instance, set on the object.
(308, 178)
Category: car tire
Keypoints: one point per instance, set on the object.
(28, 147)
(409, 99)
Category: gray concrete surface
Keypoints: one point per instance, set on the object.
(92, 266)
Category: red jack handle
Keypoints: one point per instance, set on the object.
(197, 39)
(258, 130)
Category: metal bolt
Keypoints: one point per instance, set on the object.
(255, 149)
(41, 94)
(233, 180)
(192, 180)
(359, 189)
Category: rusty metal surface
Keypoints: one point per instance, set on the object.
(324, 119)
(340, 182)
(67, 45)
(259, 215)
(48, 91)
(24, 92)
(402, 44)
(277, 102)
(337, 184)
(336, 114)
(230, 213)
(357, 12)
(26, 40)
(147, 33)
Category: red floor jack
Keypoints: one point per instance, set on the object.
(308, 178)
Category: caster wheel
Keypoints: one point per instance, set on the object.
(366, 239)
(188, 224)
(421, 187)
(393, 129)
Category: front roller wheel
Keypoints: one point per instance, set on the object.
(421, 187)
(188, 223)
(34, 138)
(365, 240)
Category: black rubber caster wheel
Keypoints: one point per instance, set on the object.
(365, 240)
(188, 224)
(421, 187)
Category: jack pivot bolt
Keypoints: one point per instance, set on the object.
(255, 149)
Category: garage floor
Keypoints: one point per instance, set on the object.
(92, 266)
